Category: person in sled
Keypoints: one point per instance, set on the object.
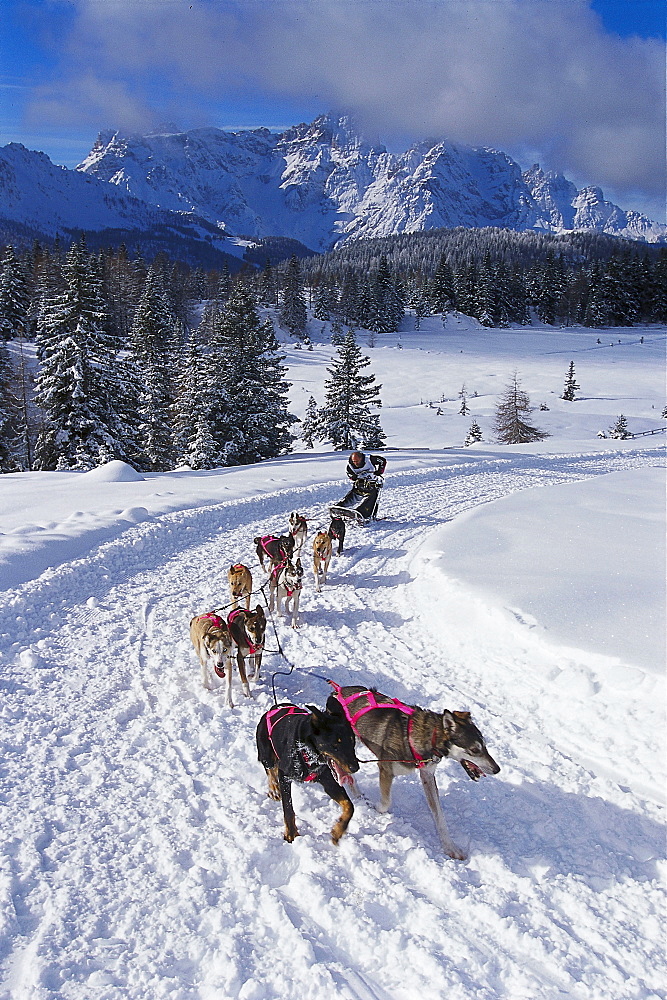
(364, 471)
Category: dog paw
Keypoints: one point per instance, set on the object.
(290, 835)
(456, 853)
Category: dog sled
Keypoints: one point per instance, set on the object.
(361, 503)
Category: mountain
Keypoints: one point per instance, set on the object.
(323, 183)
(39, 200)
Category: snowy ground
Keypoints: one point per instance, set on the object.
(142, 858)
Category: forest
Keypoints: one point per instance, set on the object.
(105, 355)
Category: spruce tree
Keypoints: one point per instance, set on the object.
(442, 288)
(571, 384)
(293, 313)
(14, 297)
(310, 425)
(252, 421)
(619, 430)
(153, 351)
(78, 386)
(346, 419)
(474, 434)
(513, 408)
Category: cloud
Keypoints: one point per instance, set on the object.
(507, 73)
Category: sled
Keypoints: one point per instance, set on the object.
(349, 513)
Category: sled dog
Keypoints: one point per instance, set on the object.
(308, 744)
(321, 557)
(336, 532)
(213, 644)
(406, 738)
(276, 548)
(285, 585)
(298, 531)
(240, 584)
(247, 631)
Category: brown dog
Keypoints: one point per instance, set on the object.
(406, 738)
(213, 645)
(247, 630)
(240, 584)
(322, 550)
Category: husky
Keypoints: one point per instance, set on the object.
(298, 531)
(285, 585)
(406, 738)
(247, 630)
(336, 532)
(308, 744)
(276, 548)
(321, 557)
(240, 584)
(213, 644)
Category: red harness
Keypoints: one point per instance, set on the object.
(283, 711)
(233, 615)
(372, 703)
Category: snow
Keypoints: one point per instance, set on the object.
(141, 856)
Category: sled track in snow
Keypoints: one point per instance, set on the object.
(155, 835)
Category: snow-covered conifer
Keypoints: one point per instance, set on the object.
(14, 297)
(619, 431)
(474, 434)
(347, 421)
(310, 425)
(293, 314)
(571, 384)
(78, 386)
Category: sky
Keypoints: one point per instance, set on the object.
(576, 85)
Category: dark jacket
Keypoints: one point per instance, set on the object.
(373, 466)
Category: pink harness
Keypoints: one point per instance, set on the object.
(272, 722)
(233, 615)
(214, 619)
(353, 717)
(275, 573)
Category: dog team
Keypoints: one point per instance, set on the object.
(314, 745)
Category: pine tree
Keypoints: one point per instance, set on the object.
(474, 434)
(78, 386)
(571, 385)
(310, 425)
(14, 297)
(619, 430)
(153, 350)
(293, 307)
(346, 418)
(9, 415)
(511, 412)
(253, 420)
(442, 288)
(387, 309)
(196, 404)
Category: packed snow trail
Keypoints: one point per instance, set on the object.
(144, 859)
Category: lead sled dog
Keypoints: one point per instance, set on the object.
(406, 738)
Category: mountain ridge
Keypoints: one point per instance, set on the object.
(209, 192)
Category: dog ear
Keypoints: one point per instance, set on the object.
(316, 717)
(461, 717)
(334, 707)
(257, 540)
(449, 720)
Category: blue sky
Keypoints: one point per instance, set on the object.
(577, 85)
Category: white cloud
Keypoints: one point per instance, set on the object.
(506, 73)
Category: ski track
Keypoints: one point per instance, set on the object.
(155, 837)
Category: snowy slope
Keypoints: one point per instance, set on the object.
(141, 856)
(45, 199)
(323, 183)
